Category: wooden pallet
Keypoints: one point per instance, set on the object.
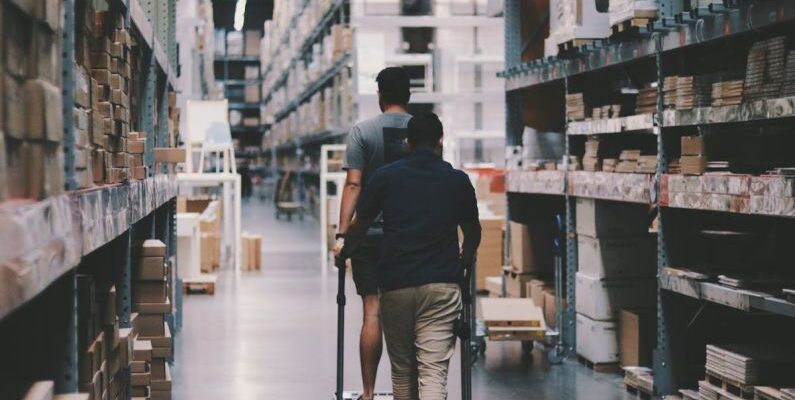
(202, 285)
(599, 367)
(735, 388)
(631, 25)
(573, 45)
(637, 393)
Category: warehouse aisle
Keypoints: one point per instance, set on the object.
(271, 335)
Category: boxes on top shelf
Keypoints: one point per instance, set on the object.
(625, 10)
(573, 22)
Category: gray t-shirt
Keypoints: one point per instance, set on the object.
(374, 142)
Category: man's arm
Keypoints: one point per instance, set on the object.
(354, 165)
(350, 196)
(369, 205)
(469, 223)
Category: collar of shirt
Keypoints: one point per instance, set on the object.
(425, 154)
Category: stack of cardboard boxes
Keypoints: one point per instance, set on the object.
(251, 259)
(151, 302)
(31, 121)
(531, 258)
(489, 255)
(694, 159)
(616, 270)
(103, 108)
(105, 350)
(210, 231)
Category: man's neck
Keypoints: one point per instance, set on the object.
(394, 109)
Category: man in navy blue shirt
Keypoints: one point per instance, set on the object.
(423, 201)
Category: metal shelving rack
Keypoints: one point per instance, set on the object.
(338, 12)
(241, 132)
(675, 32)
(60, 234)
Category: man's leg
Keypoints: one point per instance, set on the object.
(365, 276)
(398, 307)
(439, 307)
(370, 344)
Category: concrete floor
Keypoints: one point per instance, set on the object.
(271, 335)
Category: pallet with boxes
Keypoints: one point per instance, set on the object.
(616, 276)
(153, 346)
(573, 23)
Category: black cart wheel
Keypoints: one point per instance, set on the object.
(527, 346)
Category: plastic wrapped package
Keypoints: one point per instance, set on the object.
(624, 10)
(574, 20)
(628, 187)
(38, 243)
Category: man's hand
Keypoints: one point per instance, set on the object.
(339, 244)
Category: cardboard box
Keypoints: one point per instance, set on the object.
(150, 325)
(617, 257)
(597, 341)
(693, 165)
(150, 269)
(169, 155)
(136, 146)
(603, 299)
(138, 173)
(14, 106)
(692, 145)
(161, 341)
(41, 98)
(516, 284)
(550, 309)
(149, 291)
(537, 288)
(637, 337)
(142, 350)
(158, 367)
(153, 308)
(489, 254)
(600, 218)
(139, 366)
(140, 379)
(153, 248)
(16, 168)
(46, 58)
(530, 252)
(45, 170)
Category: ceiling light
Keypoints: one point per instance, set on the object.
(240, 14)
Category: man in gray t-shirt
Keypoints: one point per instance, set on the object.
(372, 143)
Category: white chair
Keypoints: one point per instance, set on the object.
(219, 141)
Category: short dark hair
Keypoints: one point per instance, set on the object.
(425, 130)
(393, 85)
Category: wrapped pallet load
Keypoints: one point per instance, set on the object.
(626, 10)
(574, 22)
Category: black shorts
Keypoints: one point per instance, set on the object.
(364, 262)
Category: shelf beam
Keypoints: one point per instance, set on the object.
(48, 238)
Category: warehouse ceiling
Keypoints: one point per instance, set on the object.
(257, 12)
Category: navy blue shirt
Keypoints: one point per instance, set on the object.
(423, 200)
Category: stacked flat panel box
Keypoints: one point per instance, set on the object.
(616, 270)
(151, 302)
